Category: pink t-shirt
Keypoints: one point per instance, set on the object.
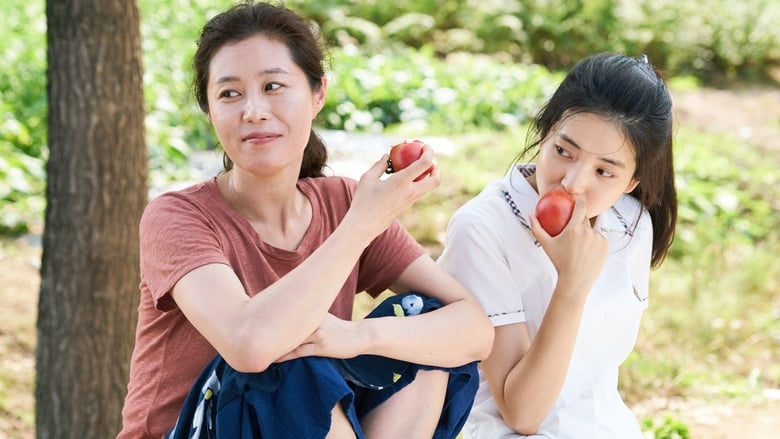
(186, 229)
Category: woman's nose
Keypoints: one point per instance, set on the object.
(256, 108)
(574, 181)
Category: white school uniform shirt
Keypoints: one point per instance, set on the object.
(490, 249)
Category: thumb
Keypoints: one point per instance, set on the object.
(378, 168)
(537, 230)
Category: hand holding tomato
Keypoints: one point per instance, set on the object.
(378, 201)
(578, 254)
(554, 211)
(404, 154)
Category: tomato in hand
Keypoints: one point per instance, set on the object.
(403, 154)
(554, 211)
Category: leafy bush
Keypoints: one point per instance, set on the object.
(667, 428)
(23, 108)
(421, 93)
(714, 39)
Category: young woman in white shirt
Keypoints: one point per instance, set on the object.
(567, 309)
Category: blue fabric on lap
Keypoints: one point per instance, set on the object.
(294, 399)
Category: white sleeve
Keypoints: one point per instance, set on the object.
(475, 254)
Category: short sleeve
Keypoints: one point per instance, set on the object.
(175, 239)
(386, 258)
(475, 255)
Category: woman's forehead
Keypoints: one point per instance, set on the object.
(594, 134)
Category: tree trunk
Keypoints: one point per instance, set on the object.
(96, 191)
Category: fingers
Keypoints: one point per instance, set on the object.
(578, 252)
(304, 350)
(378, 168)
(380, 199)
(578, 214)
(538, 231)
(421, 170)
(578, 218)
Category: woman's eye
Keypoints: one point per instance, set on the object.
(561, 151)
(228, 94)
(605, 173)
(273, 86)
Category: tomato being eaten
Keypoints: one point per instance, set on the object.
(554, 211)
(403, 154)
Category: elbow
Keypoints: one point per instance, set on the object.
(525, 429)
(523, 419)
(248, 354)
(248, 364)
(523, 425)
(476, 332)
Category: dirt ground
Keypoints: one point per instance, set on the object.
(751, 114)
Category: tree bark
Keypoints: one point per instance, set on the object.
(96, 191)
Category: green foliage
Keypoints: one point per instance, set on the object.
(23, 109)
(713, 39)
(175, 125)
(412, 89)
(722, 192)
(667, 428)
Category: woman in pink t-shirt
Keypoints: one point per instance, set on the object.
(259, 266)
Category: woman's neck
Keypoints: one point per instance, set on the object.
(531, 179)
(279, 212)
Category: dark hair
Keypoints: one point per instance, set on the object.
(632, 93)
(246, 20)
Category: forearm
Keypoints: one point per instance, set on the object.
(534, 384)
(252, 333)
(432, 338)
(295, 304)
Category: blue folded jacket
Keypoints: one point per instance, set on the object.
(294, 399)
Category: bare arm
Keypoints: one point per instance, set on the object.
(453, 335)
(252, 333)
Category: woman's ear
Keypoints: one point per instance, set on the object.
(319, 96)
(631, 185)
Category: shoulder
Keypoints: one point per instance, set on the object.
(627, 226)
(487, 218)
(182, 200)
(483, 209)
(629, 213)
(197, 209)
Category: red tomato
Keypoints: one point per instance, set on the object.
(403, 154)
(554, 211)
